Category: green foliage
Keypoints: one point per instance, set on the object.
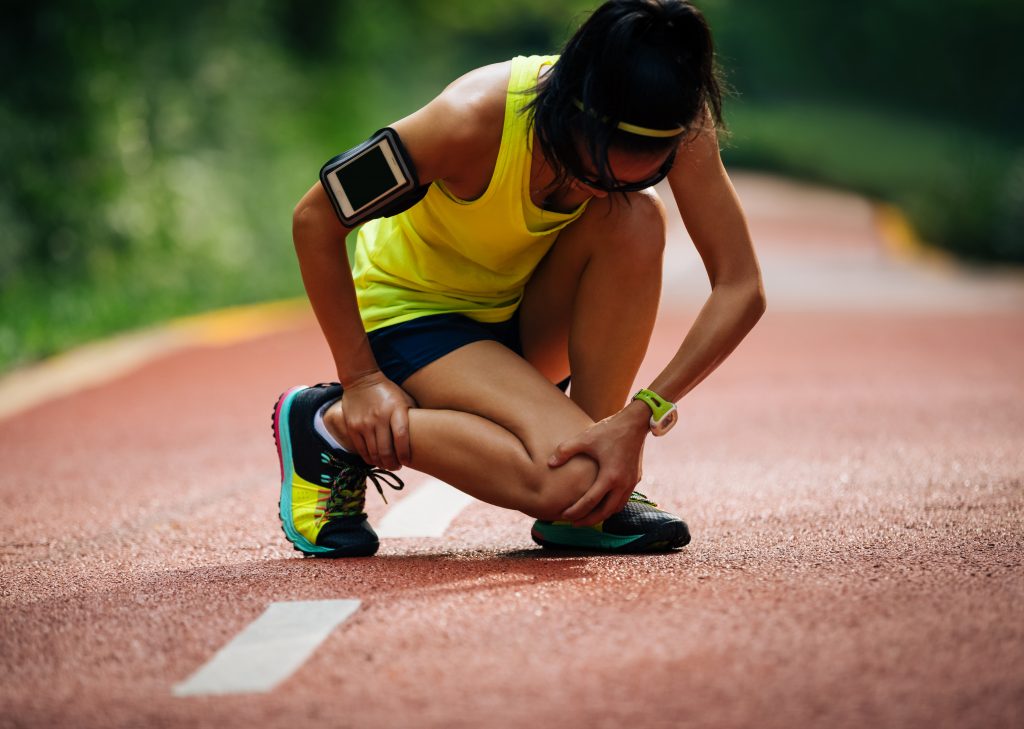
(153, 151)
(947, 59)
(914, 102)
(961, 188)
(152, 161)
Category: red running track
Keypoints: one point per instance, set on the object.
(852, 477)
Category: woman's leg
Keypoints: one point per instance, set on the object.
(487, 422)
(590, 307)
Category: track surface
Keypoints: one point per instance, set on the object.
(852, 477)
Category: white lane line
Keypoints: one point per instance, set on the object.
(269, 649)
(426, 512)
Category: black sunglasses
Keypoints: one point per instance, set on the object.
(605, 186)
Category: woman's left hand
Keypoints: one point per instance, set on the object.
(616, 444)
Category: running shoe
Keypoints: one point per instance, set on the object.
(640, 527)
(323, 489)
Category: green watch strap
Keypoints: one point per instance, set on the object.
(658, 405)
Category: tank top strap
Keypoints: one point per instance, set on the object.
(516, 153)
(516, 133)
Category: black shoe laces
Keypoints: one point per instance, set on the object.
(348, 484)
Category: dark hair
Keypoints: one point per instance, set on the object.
(645, 62)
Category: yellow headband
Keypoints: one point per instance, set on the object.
(633, 128)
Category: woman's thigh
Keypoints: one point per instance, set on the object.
(487, 379)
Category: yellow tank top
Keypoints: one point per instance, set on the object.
(447, 255)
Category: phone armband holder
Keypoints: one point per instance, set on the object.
(373, 180)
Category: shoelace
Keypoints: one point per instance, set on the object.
(348, 485)
(639, 497)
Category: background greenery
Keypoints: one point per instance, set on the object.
(153, 152)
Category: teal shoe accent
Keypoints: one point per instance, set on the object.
(284, 444)
(639, 527)
(559, 534)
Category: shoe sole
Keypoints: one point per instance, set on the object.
(284, 454)
(664, 538)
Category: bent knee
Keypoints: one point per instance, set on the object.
(553, 490)
(648, 222)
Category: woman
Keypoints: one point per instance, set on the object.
(535, 253)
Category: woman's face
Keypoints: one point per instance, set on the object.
(630, 171)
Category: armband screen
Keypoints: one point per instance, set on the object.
(370, 179)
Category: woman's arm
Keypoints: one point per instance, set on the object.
(378, 429)
(438, 137)
(715, 221)
(319, 239)
(713, 216)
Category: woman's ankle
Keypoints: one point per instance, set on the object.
(334, 422)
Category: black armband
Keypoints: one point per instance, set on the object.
(374, 180)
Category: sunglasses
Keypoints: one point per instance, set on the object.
(607, 186)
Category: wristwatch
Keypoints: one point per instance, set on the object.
(663, 413)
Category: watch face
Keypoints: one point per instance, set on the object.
(660, 427)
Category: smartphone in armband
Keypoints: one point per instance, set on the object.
(370, 178)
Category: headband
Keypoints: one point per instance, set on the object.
(632, 128)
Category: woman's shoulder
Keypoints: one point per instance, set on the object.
(462, 123)
(477, 99)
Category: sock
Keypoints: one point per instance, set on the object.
(321, 427)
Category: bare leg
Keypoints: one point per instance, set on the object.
(487, 424)
(591, 305)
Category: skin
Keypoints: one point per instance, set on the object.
(490, 422)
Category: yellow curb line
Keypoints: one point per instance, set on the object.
(102, 361)
(240, 323)
(902, 241)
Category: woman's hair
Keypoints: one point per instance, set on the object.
(648, 63)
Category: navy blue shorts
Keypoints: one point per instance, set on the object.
(402, 349)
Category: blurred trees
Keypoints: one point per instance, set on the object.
(912, 101)
(153, 151)
(957, 61)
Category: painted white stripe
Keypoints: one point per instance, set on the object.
(426, 512)
(269, 649)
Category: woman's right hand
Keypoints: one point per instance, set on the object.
(376, 413)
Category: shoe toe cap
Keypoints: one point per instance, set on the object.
(349, 537)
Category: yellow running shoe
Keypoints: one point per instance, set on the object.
(323, 489)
